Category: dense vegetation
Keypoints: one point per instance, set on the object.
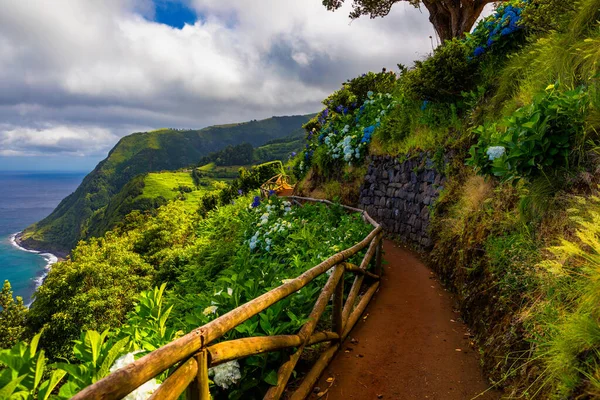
(208, 265)
(515, 108)
(147, 192)
(511, 115)
(246, 154)
(164, 149)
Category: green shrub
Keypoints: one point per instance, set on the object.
(540, 16)
(23, 369)
(356, 91)
(535, 138)
(443, 76)
(247, 181)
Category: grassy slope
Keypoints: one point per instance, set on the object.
(149, 191)
(136, 154)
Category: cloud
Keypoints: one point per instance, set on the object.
(56, 140)
(77, 75)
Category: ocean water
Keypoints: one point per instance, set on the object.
(25, 198)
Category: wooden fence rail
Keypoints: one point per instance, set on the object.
(193, 354)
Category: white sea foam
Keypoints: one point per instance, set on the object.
(49, 257)
(13, 241)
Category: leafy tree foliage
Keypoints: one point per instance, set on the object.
(12, 317)
(450, 18)
(231, 155)
(91, 290)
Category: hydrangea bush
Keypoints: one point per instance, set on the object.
(492, 32)
(534, 138)
(343, 137)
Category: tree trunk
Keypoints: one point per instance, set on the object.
(453, 18)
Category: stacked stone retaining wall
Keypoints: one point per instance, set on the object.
(399, 194)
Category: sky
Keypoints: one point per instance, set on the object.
(76, 76)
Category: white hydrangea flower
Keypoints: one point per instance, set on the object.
(229, 291)
(495, 152)
(144, 391)
(226, 374)
(210, 310)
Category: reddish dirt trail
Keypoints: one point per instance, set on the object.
(407, 346)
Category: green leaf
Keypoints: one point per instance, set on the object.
(69, 390)
(76, 372)
(163, 320)
(39, 369)
(34, 343)
(111, 357)
(8, 390)
(48, 386)
(271, 378)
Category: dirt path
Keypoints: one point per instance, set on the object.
(411, 345)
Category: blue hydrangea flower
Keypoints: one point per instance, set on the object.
(240, 192)
(479, 51)
(255, 202)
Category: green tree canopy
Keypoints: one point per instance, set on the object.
(12, 317)
(450, 18)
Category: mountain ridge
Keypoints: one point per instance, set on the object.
(138, 153)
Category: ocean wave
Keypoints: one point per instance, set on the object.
(13, 241)
(49, 257)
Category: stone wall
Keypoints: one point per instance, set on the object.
(399, 195)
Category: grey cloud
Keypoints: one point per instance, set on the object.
(78, 75)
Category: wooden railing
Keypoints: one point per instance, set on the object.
(194, 353)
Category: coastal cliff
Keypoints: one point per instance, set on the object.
(165, 149)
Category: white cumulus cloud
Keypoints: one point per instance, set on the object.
(77, 75)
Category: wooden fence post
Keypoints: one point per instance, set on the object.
(378, 256)
(198, 389)
(338, 305)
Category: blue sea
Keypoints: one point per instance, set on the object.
(25, 198)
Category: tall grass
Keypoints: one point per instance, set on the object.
(570, 56)
(570, 345)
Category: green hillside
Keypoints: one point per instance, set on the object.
(139, 153)
(149, 191)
